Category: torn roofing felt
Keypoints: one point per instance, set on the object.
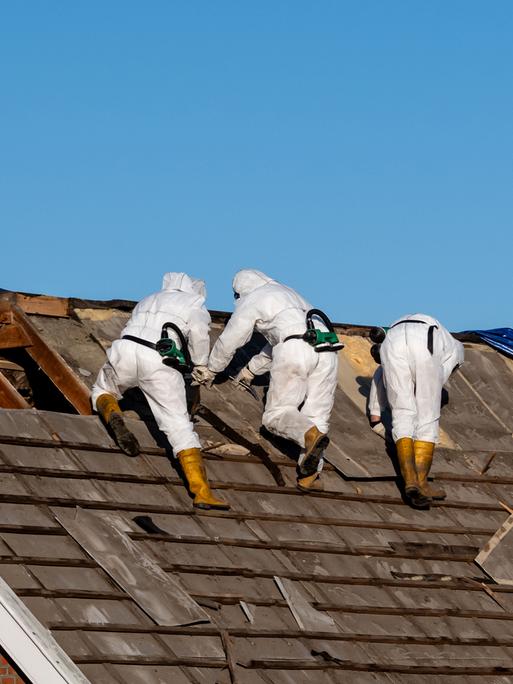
(371, 590)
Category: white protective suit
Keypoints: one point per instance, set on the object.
(413, 377)
(378, 401)
(299, 375)
(181, 301)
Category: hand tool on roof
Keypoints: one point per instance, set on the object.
(245, 386)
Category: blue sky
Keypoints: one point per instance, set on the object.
(360, 151)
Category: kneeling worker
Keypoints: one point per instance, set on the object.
(303, 381)
(167, 333)
(417, 356)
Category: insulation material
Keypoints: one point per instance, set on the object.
(356, 368)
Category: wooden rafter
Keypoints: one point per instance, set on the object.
(14, 324)
(9, 397)
(11, 335)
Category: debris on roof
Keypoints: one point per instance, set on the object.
(379, 591)
(20, 336)
(105, 539)
(496, 556)
(308, 618)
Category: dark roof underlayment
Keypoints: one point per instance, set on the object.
(343, 584)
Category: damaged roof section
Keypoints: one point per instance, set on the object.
(345, 582)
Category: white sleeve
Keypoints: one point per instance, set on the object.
(378, 397)
(237, 332)
(454, 355)
(198, 339)
(261, 363)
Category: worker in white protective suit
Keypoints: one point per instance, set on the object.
(417, 357)
(176, 318)
(303, 381)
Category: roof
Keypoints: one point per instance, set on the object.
(343, 582)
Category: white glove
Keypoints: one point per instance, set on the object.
(202, 375)
(244, 377)
(380, 430)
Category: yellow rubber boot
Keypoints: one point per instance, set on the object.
(315, 443)
(194, 470)
(106, 405)
(108, 408)
(406, 458)
(309, 483)
(423, 459)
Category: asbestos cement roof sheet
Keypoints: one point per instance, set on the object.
(398, 588)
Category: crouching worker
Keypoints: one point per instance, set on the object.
(303, 381)
(167, 332)
(377, 402)
(417, 357)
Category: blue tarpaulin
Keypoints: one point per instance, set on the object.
(500, 338)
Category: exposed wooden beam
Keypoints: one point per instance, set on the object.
(9, 397)
(50, 362)
(12, 336)
(44, 305)
(55, 367)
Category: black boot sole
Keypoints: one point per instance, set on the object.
(210, 507)
(125, 440)
(417, 499)
(311, 462)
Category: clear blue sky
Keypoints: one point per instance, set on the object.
(359, 151)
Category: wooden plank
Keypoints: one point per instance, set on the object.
(308, 618)
(230, 657)
(496, 556)
(52, 363)
(9, 397)
(155, 591)
(43, 305)
(12, 337)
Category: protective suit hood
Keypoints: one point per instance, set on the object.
(248, 279)
(184, 283)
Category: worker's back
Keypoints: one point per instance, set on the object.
(181, 301)
(278, 310)
(422, 338)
